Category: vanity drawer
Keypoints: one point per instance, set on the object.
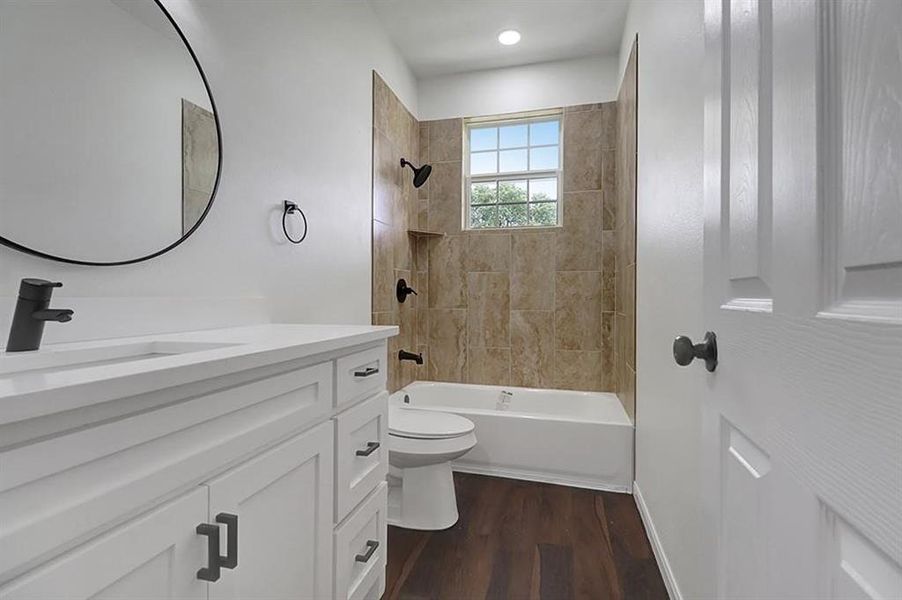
(360, 375)
(361, 452)
(360, 549)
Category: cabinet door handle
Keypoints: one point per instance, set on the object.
(230, 560)
(211, 571)
(371, 546)
(370, 448)
(366, 372)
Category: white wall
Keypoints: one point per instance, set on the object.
(292, 82)
(669, 282)
(515, 89)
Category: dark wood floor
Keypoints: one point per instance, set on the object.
(517, 539)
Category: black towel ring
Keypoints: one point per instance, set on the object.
(291, 208)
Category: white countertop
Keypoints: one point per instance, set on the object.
(44, 391)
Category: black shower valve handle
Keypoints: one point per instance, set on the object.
(402, 290)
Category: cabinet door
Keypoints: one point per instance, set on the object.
(283, 500)
(155, 556)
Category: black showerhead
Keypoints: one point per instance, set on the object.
(420, 175)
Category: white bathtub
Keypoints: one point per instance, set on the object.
(582, 439)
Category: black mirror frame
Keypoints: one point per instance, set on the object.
(16, 246)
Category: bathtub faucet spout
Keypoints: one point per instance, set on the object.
(405, 355)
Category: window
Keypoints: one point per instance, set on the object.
(513, 172)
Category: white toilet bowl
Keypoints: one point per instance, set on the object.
(421, 446)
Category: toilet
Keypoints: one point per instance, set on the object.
(421, 446)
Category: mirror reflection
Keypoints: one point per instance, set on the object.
(109, 148)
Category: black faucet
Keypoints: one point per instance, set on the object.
(405, 355)
(32, 312)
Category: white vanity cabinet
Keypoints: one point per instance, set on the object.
(125, 498)
(154, 556)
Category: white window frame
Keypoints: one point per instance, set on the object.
(518, 119)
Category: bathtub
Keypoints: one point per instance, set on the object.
(582, 439)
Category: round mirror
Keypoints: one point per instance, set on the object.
(110, 148)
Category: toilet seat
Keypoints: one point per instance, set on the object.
(426, 424)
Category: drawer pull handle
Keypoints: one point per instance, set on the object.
(366, 372)
(230, 560)
(211, 571)
(371, 546)
(370, 448)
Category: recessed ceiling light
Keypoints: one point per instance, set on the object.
(509, 37)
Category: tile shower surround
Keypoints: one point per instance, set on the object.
(625, 239)
(395, 135)
(534, 308)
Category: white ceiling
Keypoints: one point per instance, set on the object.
(438, 37)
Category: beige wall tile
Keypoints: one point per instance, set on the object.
(629, 336)
(613, 382)
(619, 276)
(532, 271)
(629, 290)
(625, 239)
(447, 276)
(411, 204)
(382, 104)
(405, 138)
(422, 221)
(488, 252)
(532, 348)
(490, 366)
(422, 306)
(577, 370)
(447, 345)
(445, 140)
(608, 270)
(394, 371)
(488, 307)
(629, 230)
(423, 190)
(622, 333)
(422, 253)
(423, 131)
(386, 180)
(402, 248)
(582, 107)
(609, 125)
(577, 312)
(582, 150)
(607, 352)
(579, 242)
(628, 395)
(444, 197)
(609, 189)
(383, 267)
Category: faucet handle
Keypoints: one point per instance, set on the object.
(32, 288)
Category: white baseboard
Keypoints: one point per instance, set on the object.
(539, 477)
(670, 583)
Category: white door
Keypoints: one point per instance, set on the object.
(154, 557)
(283, 501)
(803, 287)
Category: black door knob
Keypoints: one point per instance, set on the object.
(684, 351)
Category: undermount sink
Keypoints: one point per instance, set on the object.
(54, 360)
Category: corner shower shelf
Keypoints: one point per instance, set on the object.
(424, 233)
